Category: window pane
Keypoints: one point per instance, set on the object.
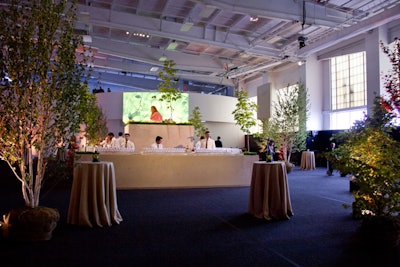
(348, 90)
(342, 120)
(348, 83)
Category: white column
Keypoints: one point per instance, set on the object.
(376, 63)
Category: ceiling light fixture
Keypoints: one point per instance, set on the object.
(162, 58)
(87, 38)
(187, 25)
(172, 45)
(254, 19)
(301, 62)
(207, 11)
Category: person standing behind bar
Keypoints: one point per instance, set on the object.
(110, 141)
(208, 142)
(121, 139)
(218, 142)
(201, 140)
(128, 143)
(158, 143)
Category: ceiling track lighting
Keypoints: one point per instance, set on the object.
(140, 34)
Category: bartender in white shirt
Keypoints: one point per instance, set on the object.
(158, 143)
(208, 142)
(128, 143)
(110, 141)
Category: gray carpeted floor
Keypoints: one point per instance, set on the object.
(207, 227)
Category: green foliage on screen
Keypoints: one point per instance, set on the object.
(136, 107)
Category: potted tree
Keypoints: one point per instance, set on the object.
(42, 100)
(244, 113)
(287, 126)
(372, 156)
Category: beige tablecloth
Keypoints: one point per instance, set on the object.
(93, 196)
(307, 160)
(269, 191)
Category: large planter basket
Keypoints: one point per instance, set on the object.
(32, 224)
(289, 167)
(382, 232)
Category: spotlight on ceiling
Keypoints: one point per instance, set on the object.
(301, 62)
(253, 18)
(302, 41)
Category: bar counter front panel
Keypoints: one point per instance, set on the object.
(180, 170)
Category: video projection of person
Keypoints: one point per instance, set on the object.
(136, 107)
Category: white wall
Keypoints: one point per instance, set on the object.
(316, 91)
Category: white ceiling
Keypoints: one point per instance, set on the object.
(222, 42)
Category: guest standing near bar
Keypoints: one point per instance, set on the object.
(329, 170)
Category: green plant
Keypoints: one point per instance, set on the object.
(244, 113)
(96, 121)
(287, 126)
(196, 120)
(372, 153)
(168, 86)
(41, 105)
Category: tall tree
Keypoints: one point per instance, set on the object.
(196, 120)
(168, 86)
(244, 113)
(42, 97)
(287, 126)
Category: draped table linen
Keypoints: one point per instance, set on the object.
(307, 160)
(93, 200)
(269, 191)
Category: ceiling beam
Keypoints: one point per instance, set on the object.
(350, 32)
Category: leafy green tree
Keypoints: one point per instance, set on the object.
(244, 113)
(287, 126)
(169, 86)
(196, 120)
(370, 151)
(96, 121)
(42, 98)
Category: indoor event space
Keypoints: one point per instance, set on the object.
(200, 133)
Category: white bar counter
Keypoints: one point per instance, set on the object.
(179, 170)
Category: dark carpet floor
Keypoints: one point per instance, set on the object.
(204, 227)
